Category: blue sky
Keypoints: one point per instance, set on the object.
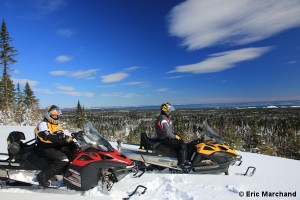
(139, 52)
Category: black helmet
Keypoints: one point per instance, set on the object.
(50, 111)
(166, 109)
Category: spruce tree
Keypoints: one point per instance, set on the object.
(30, 101)
(19, 105)
(80, 116)
(7, 54)
(31, 106)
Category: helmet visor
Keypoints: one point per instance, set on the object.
(171, 107)
(54, 110)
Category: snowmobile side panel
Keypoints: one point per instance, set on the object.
(143, 156)
(87, 176)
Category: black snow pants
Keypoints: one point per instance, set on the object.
(58, 160)
(180, 147)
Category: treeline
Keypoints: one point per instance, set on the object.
(268, 131)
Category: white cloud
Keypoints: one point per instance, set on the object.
(23, 81)
(174, 77)
(202, 23)
(163, 90)
(63, 58)
(134, 83)
(58, 73)
(222, 61)
(75, 93)
(131, 68)
(63, 89)
(127, 95)
(46, 7)
(293, 62)
(66, 32)
(87, 74)
(44, 91)
(114, 77)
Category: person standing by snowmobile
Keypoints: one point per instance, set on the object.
(164, 132)
(50, 138)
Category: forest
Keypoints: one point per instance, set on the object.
(271, 131)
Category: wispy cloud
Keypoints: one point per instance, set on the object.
(140, 84)
(163, 90)
(46, 6)
(114, 77)
(222, 61)
(174, 77)
(40, 9)
(63, 58)
(203, 23)
(63, 89)
(119, 76)
(23, 81)
(129, 69)
(87, 74)
(127, 95)
(66, 32)
(240, 99)
(293, 62)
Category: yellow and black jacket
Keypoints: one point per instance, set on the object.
(49, 135)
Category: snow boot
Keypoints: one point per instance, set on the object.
(185, 167)
(43, 181)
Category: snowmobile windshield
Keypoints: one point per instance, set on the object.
(93, 138)
(211, 133)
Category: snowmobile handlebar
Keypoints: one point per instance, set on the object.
(77, 135)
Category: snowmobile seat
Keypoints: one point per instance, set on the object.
(156, 146)
(148, 143)
(14, 143)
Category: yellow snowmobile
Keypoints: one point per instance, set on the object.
(207, 154)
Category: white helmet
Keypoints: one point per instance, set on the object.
(52, 111)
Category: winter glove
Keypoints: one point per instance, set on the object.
(177, 137)
(68, 139)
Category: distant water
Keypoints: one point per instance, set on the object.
(265, 104)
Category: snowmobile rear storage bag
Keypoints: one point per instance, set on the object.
(13, 142)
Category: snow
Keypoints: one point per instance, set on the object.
(273, 175)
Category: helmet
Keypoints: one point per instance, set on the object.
(52, 114)
(166, 108)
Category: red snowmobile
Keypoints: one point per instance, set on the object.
(94, 162)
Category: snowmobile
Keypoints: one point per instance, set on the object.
(94, 162)
(207, 154)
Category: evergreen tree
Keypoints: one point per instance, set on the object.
(30, 101)
(80, 116)
(19, 105)
(31, 106)
(7, 54)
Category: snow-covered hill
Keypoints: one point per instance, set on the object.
(274, 176)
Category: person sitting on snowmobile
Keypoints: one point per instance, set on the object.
(164, 132)
(50, 138)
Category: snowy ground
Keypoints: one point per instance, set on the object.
(272, 175)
